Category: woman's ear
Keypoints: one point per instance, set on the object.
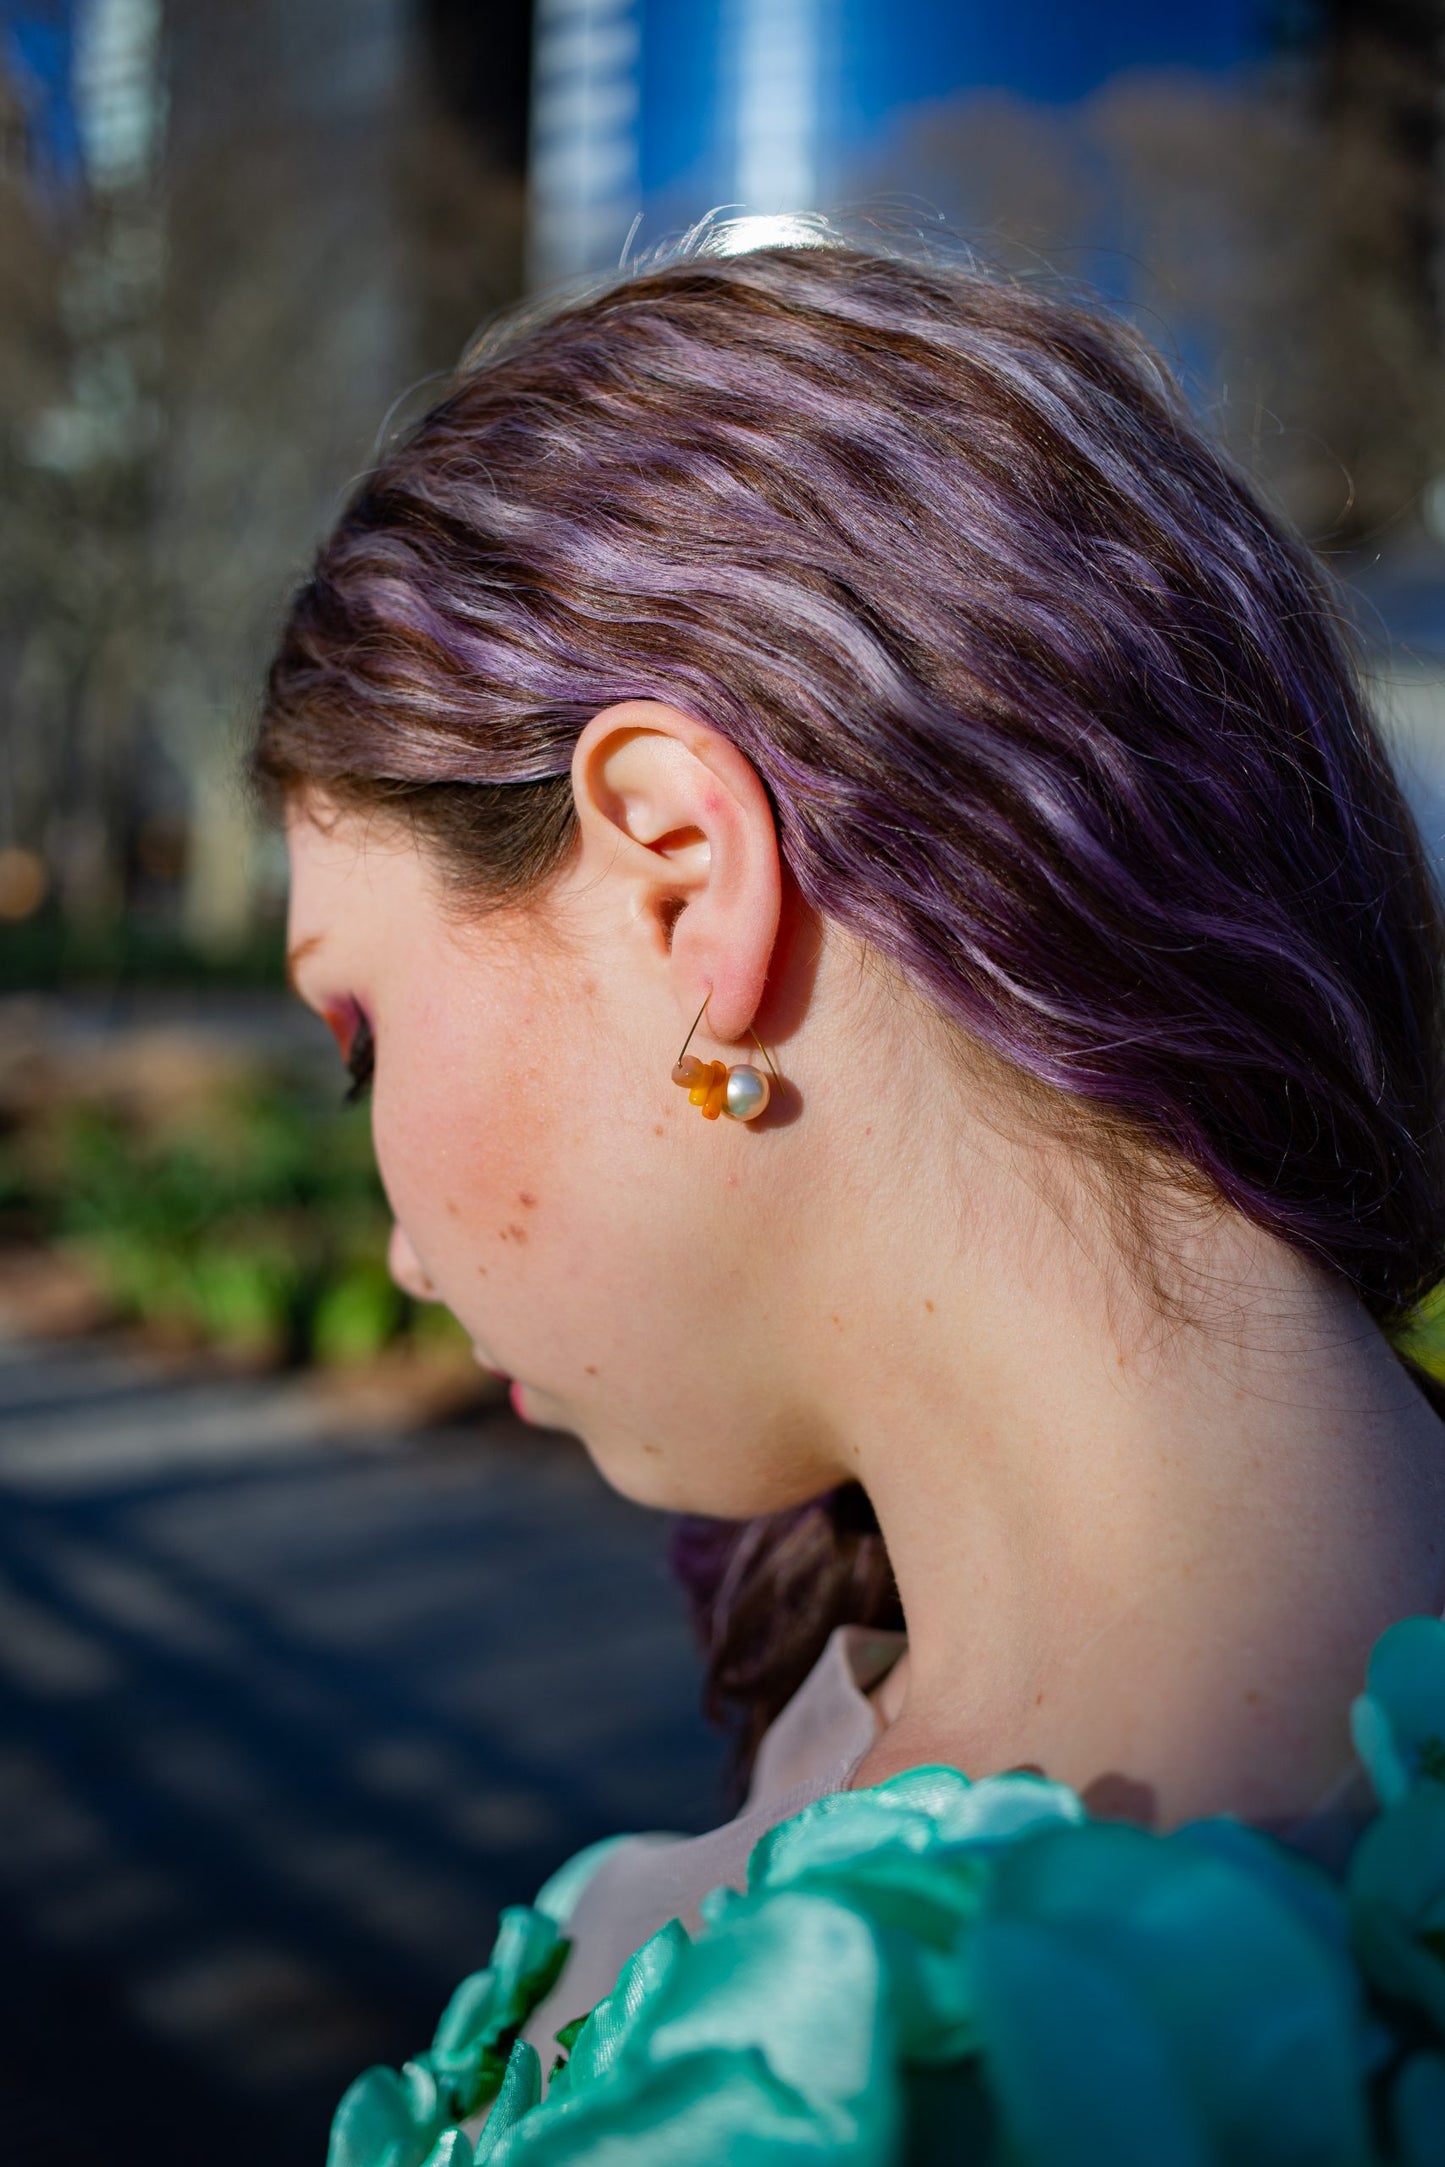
(675, 818)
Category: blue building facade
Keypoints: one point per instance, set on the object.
(648, 114)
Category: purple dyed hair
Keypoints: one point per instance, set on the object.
(1052, 712)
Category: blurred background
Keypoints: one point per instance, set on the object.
(310, 1655)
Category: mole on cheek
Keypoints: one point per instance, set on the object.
(512, 1233)
(592, 1369)
(453, 1207)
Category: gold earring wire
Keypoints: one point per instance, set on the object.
(741, 1091)
(697, 1019)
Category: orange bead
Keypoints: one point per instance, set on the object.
(717, 1097)
(703, 1082)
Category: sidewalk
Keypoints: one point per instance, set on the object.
(284, 1720)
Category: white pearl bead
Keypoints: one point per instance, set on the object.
(748, 1090)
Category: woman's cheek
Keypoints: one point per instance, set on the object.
(459, 1178)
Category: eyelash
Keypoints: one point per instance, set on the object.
(360, 1061)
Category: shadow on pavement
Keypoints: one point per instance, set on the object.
(279, 1735)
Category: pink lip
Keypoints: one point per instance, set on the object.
(513, 1393)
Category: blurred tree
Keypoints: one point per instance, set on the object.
(32, 352)
(227, 321)
(331, 226)
(80, 270)
(282, 336)
(480, 66)
(1381, 98)
(1280, 229)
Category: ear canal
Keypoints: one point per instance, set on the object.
(670, 910)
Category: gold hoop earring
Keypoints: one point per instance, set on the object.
(741, 1091)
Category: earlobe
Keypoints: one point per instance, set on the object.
(673, 810)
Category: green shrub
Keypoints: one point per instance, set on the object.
(257, 1223)
(359, 1313)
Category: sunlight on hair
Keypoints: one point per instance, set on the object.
(781, 229)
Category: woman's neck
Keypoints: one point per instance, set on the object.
(1149, 1562)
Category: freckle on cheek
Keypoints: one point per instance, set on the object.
(591, 1369)
(659, 1130)
(512, 1233)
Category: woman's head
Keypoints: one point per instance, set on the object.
(882, 647)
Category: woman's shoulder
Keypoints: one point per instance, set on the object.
(937, 1968)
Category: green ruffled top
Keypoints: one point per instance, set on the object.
(939, 1971)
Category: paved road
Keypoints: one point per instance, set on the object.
(283, 1722)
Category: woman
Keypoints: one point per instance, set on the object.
(868, 673)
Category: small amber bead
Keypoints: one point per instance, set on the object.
(717, 1096)
(705, 1083)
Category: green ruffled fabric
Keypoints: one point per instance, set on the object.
(937, 1971)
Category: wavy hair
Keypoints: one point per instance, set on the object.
(1053, 714)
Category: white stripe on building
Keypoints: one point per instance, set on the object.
(584, 182)
(777, 48)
